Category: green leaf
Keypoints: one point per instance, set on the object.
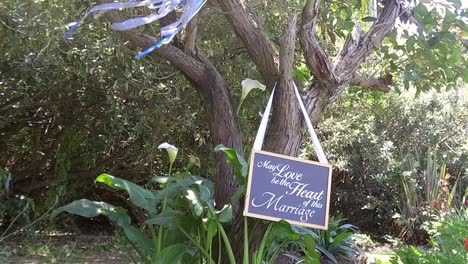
(167, 219)
(138, 195)
(311, 260)
(301, 72)
(281, 231)
(406, 84)
(196, 204)
(137, 237)
(225, 215)
(327, 253)
(236, 160)
(421, 10)
(172, 254)
(304, 231)
(455, 56)
(464, 74)
(340, 238)
(311, 247)
(87, 208)
(205, 193)
(348, 226)
(238, 194)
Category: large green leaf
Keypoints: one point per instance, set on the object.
(311, 248)
(196, 203)
(283, 231)
(236, 160)
(340, 238)
(304, 231)
(327, 253)
(225, 215)
(167, 219)
(139, 240)
(172, 254)
(87, 208)
(205, 193)
(138, 195)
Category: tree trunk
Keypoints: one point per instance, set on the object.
(224, 128)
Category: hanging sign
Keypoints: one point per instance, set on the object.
(286, 188)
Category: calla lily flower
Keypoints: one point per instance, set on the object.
(171, 151)
(247, 86)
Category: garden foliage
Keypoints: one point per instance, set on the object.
(382, 145)
(181, 223)
(449, 240)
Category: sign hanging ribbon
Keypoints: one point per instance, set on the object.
(264, 122)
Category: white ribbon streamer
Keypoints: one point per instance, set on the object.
(264, 122)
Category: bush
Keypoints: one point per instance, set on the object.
(14, 209)
(449, 243)
(373, 139)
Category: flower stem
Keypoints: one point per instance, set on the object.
(246, 242)
(160, 230)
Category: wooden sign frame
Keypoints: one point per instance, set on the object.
(248, 212)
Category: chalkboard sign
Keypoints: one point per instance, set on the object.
(286, 188)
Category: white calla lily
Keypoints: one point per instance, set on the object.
(247, 86)
(171, 151)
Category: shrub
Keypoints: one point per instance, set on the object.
(14, 209)
(372, 139)
(448, 243)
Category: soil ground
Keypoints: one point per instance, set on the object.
(63, 248)
(103, 249)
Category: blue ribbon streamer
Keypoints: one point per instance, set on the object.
(162, 8)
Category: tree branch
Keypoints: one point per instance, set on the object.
(287, 44)
(261, 49)
(284, 133)
(316, 59)
(381, 84)
(191, 36)
(356, 48)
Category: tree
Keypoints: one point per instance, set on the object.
(329, 76)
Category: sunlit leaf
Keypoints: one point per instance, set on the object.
(138, 195)
(237, 161)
